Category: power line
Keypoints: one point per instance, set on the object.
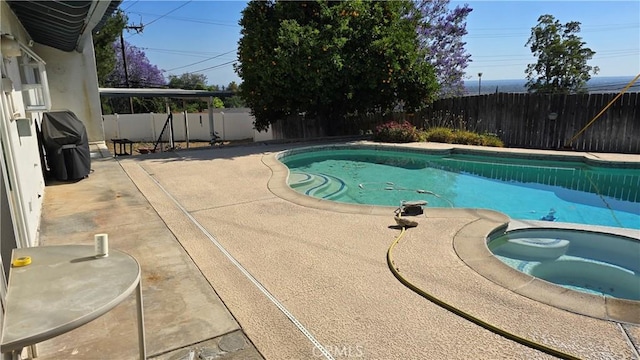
(181, 52)
(169, 12)
(521, 64)
(196, 20)
(610, 52)
(532, 58)
(166, 14)
(586, 27)
(473, 35)
(214, 67)
(614, 56)
(207, 53)
(201, 61)
(135, 2)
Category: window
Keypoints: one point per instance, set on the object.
(33, 76)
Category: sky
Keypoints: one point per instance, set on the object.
(201, 36)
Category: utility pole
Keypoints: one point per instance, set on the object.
(479, 82)
(138, 29)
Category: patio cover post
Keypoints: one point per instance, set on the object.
(171, 144)
(210, 111)
(186, 127)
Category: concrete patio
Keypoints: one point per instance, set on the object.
(237, 266)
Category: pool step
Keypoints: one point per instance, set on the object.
(536, 248)
(590, 276)
(317, 185)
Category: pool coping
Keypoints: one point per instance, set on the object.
(470, 243)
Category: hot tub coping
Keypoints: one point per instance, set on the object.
(474, 252)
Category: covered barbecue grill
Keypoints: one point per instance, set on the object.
(66, 144)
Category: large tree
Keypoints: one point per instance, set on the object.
(330, 60)
(562, 58)
(192, 81)
(103, 40)
(189, 81)
(142, 74)
(234, 101)
(440, 31)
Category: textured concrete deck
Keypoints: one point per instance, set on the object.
(323, 263)
(182, 311)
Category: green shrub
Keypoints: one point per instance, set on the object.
(423, 136)
(465, 137)
(440, 134)
(395, 132)
(491, 140)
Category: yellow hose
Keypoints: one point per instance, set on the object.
(603, 110)
(465, 315)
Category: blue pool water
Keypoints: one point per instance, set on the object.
(595, 263)
(525, 189)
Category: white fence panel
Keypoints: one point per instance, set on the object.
(262, 135)
(229, 124)
(232, 125)
(198, 127)
(156, 126)
(135, 126)
(110, 127)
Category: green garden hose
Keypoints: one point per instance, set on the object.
(520, 340)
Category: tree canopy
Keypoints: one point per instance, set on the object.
(106, 43)
(188, 81)
(440, 32)
(194, 81)
(103, 41)
(142, 74)
(562, 58)
(331, 59)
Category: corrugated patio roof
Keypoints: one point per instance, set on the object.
(61, 24)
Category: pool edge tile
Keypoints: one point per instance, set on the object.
(623, 310)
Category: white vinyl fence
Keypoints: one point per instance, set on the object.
(229, 124)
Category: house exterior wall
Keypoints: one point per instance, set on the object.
(23, 180)
(7, 234)
(73, 84)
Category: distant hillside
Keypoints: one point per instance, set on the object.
(595, 85)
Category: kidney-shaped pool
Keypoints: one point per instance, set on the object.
(523, 188)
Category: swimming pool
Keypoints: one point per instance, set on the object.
(523, 188)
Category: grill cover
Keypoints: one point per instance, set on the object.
(66, 144)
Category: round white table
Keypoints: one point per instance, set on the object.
(64, 288)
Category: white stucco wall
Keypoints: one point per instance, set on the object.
(24, 181)
(73, 83)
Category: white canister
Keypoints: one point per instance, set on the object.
(102, 244)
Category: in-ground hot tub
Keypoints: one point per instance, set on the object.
(591, 262)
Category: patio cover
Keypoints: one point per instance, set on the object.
(62, 24)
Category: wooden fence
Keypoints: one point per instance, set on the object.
(519, 119)
(305, 127)
(546, 121)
